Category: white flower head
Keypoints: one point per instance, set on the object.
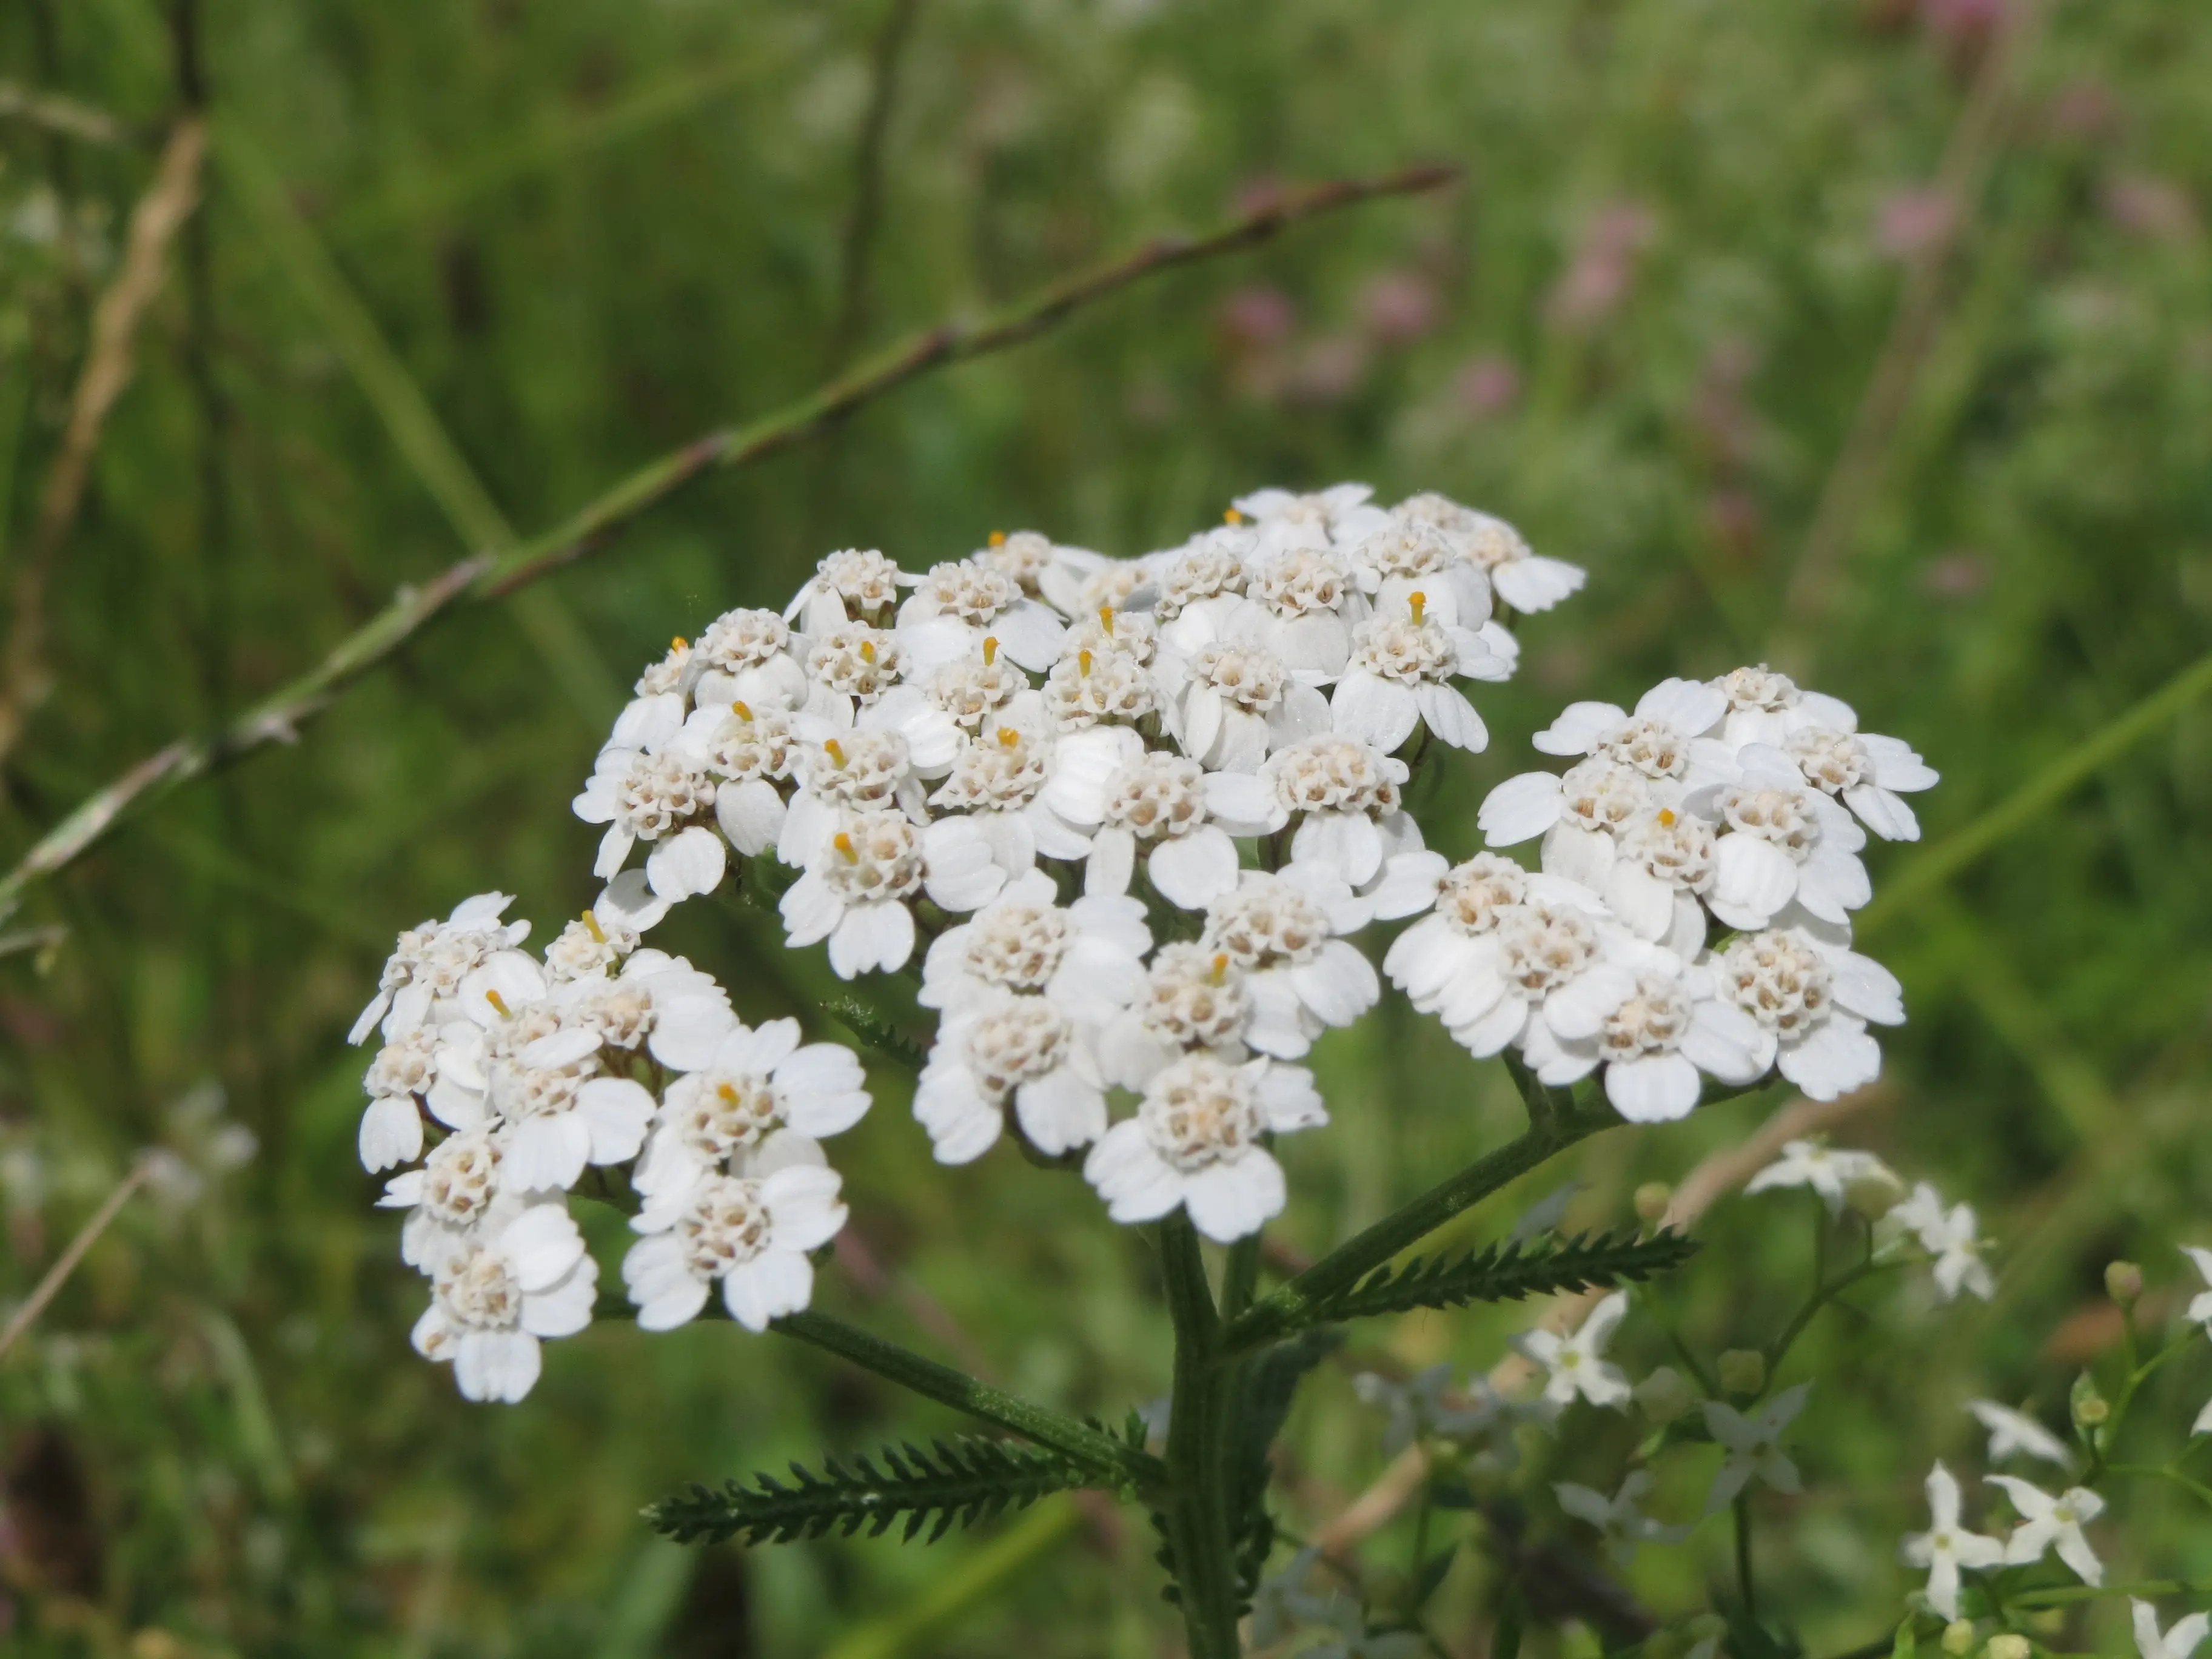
(1002, 1050)
(1346, 797)
(1947, 1547)
(1812, 1000)
(1399, 673)
(430, 961)
(750, 1232)
(1339, 516)
(2015, 1434)
(523, 1277)
(1195, 1144)
(2179, 1641)
(1828, 1171)
(662, 795)
(738, 1091)
(1524, 579)
(1620, 1520)
(857, 893)
(1752, 1446)
(1780, 840)
(1575, 1364)
(957, 605)
(1133, 804)
(847, 586)
(2049, 1523)
(1087, 957)
(1281, 932)
(1656, 1022)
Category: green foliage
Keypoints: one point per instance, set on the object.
(959, 1482)
(1505, 1273)
(878, 1033)
(1269, 1384)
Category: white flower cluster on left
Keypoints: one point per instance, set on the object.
(529, 1072)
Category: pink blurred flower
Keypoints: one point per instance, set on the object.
(1400, 307)
(2157, 210)
(2081, 109)
(1914, 221)
(1327, 371)
(1964, 27)
(1958, 575)
(1258, 314)
(1603, 269)
(1488, 384)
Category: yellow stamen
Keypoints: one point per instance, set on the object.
(1666, 817)
(843, 843)
(1220, 966)
(679, 643)
(868, 653)
(990, 649)
(998, 539)
(741, 710)
(1083, 661)
(1106, 619)
(835, 750)
(726, 1092)
(1419, 603)
(592, 926)
(1008, 737)
(498, 1002)
(1232, 516)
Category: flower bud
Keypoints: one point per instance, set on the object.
(1742, 1371)
(1874, 1195)
(1652, 1199)
(1958, 1638)
(2008, 1646)
(1664, 1395)
(2123, 1283)
(2089, 1407)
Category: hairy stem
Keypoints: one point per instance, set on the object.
(491, 573)
(1120, 1463)
(1197, 1514)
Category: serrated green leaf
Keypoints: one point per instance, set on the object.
(873, 1028)
(1506, 1272)
(956, 1483)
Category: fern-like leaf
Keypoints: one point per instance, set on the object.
(1502, 1272)
(959, 1482)
(879, 1034)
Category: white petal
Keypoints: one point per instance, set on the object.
(1882, 812)
(1113, 861)
(1059, 1111)
(1338, 985)
(1578, 729)
(750, 814)
(962, 875)
(1410, 883)
(1837, 1058)
(1451, 718)
(542, 1245)
(502, 1365)
(1751, 880)
(1520, 809)
(773, 1283)
(961, 1123)
(1190, 872)
(615, 1111)
(823, 1089)
(1376, 711)
(804, 1211)
(391, 1132)
(1228, 1201)
(874, 937)
(810, 910)
(1535, 583)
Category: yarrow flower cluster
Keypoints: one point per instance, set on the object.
(1130, 823)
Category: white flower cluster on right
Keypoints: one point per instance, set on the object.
(1734, 804)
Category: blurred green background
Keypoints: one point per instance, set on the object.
(1924, 283)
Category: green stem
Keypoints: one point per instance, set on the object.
(911, 1371)
(1820, 1299)
(1742, 1507)
(1289, 1307)
(1197, 1513)
(2149, 1472)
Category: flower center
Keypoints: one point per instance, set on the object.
(1251, 676)
(1017, 945)
(1266, 923)
(876, 856)
(479, 1290)
(1200, 1112)
(1543, 947)
(1476, 892)
(1784, 816)
(1156, 796)
(1016, 1040)
(1834, 761)
(1195, 996)
(725, 1225)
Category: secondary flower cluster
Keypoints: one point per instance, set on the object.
(1736, 803)
(603, 1053)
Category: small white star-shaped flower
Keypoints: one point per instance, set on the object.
(2178, 1643)
(1752, 1446)
(1576, 1364)
(2016, 1434)
(1619, 1519)
(1828, 1171)
(1946, 1547)
(2048, 1523)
